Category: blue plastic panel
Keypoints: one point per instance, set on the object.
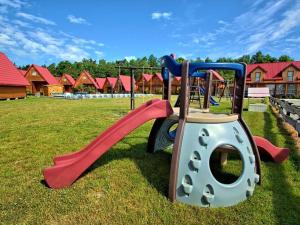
(175, 68)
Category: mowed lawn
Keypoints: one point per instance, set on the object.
(127, 185)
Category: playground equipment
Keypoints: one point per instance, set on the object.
(198, 135)
(211, 99)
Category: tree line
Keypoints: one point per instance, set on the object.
(103, 68)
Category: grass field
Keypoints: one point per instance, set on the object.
(127, 185)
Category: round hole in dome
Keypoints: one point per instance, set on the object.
(226, 171)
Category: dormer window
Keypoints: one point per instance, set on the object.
(257, 76)
(290, 76)
(33, 73)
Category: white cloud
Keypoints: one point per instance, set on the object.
(99, 54)
(77, 20)
(261, 27)
(161, 15)
(295, 39)
(32, 44)
(35, 19)
(5, 4)
(222, 22)
(12, 3)
(185, 55)
(128, 58)
(46, 38)
(273, 22)
(22, 23)
(5, 40)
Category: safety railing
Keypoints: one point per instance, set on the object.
(289, 111)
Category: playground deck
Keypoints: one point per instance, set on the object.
(127, 184)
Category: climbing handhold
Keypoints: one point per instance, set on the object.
(204, 137)
(256, 178)
(252, 159)
(208, 197)
(249, 191)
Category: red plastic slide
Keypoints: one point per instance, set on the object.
(69, 167)
(278, 155)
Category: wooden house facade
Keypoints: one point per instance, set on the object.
(175, 85)
(85, 81)
(144, 84)
(39, 77)
(157, 83)
(68, 82)
(110, 85)
(282, 78)
(12, 82)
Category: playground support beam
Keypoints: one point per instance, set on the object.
(132, 70)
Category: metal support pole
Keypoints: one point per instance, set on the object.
(132, 102)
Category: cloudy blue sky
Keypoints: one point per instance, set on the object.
(42, 32)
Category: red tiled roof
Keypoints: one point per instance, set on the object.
(177, 78)
(217, 76)
(273, 70)
(69, 78)
(112, 81)
(147, 77)
(159, 76)
(45, 73)
(58, 79)
(9, 74)
(125, 81)
(100, 81)
(23, 72)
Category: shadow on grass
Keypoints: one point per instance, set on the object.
(285, 203)
(155, 167)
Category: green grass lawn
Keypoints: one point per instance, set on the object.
(127, 185)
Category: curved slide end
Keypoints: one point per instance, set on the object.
(278, 155)
(50, 176)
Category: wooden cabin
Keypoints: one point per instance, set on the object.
(85, 82)
(100, 82)
(48, 90)
(12, 82)
(217, 83)
(39, 77)
(282, 78)
(157, 83)
(144, 84)
(175, 85)
(68, 82)
(110, 85)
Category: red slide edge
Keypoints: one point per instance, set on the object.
(278, 155)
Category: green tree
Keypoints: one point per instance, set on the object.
(244, 59)
(52, 68)
(152, 61)
(285, 58)
(180, 60)
(208, 60)
(257, 58)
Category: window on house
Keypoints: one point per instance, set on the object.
(33, 73)
(257, 76)
(291, 89)
(290, 76)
